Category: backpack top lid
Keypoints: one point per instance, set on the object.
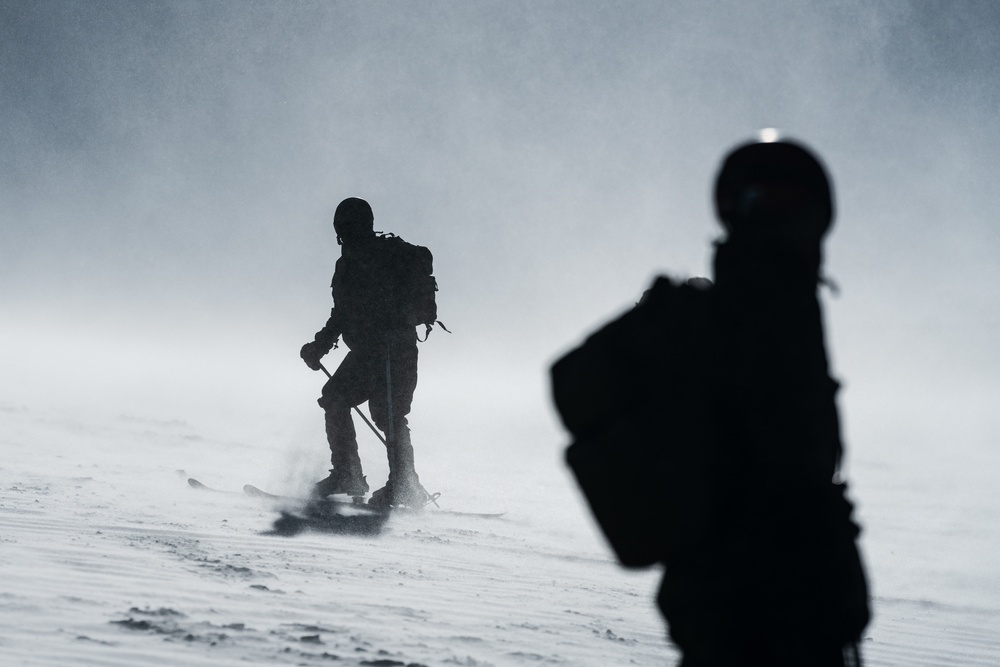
(773, 184)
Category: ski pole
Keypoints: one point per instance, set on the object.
(390, 434)
(360, 414)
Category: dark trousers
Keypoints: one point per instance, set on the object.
(365, 376)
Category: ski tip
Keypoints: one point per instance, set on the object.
(195, 484)
(252, 490)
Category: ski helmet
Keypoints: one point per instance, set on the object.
(353, 219)
(774, 183)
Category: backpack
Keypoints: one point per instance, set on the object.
(413, 284)
(635, 398)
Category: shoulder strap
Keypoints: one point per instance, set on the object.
(427, 333)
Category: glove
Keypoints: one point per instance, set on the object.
(311, 353)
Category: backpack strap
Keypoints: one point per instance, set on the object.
(427, 333)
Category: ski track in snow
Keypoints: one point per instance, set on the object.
(109, 558)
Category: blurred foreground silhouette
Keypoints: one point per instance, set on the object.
(707, 438)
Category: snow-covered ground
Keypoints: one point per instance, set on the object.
(109, 558)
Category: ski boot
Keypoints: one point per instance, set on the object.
(341, 481)
(397, 493)
(403, 486)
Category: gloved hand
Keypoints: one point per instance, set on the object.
(312, 352)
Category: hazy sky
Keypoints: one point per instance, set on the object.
(168, 174)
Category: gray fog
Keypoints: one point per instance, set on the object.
(169, 172)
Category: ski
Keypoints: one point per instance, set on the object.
(333, 503)
(335, 506)
(195, 484)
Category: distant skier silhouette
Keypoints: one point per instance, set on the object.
(382, 289)
(716, 401)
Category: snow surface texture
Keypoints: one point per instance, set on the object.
(109, 558)
(114, 560)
